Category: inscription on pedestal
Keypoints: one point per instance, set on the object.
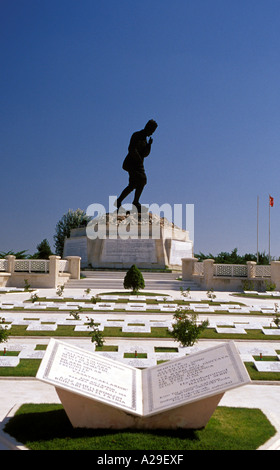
(129, 251)
(178, 251)
(76, 246)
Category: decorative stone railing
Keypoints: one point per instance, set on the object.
(31, 265)
(232, 270)
(63, 266)
(3, 265)
(37, 272)
(230, 276)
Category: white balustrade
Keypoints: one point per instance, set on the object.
(230, 270)
(63, 266)
(32, 265)
(3, 265)
(263, 271)
(199, 269)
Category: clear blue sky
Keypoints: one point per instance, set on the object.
(78, 77)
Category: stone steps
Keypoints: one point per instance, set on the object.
(114, 280)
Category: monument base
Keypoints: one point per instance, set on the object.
(150, 242)
(87, 413)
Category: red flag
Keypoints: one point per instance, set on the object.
(271, 201)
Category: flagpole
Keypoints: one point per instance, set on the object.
(269, 231)
(271, 203)
(258, 229)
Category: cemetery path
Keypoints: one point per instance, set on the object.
(114, 281)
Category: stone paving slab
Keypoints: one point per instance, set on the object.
(238, 330)
(271, 331)
(9, 361)
(267, 366)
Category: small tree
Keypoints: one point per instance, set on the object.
(34, 298)
(276, 319)
(134, 279)
(76, 313)
(186, 328)
(96, 335)
(59, 290)
(211, 295)
(185, 293)
(26, 285)
(4, 333)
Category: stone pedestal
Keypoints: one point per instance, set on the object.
(118, 241)
(86, 413)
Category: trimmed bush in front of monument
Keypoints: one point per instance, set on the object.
(134, 279)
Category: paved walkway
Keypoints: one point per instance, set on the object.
(265, 396)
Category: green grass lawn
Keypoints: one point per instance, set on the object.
(9, 353)
(156, 332)
(25, 368)
(46, 427)
(257, 296)
(256, 375)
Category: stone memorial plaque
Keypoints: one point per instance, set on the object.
(234, 331)
(129, 251)
(41, 327)
(137, 307)
(103, 306)
(271, 331)
(168, 308)
(109, 297)
(31, 354)
(191, 378)
(91, 375)
(9, 361)
(136, 329)
(178, 251)
(267, 366)
(147, 392)
(76, 246)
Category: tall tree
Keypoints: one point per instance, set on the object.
(72, 219)
(43, 250)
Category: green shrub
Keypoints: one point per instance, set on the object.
(134, 279)
(186, 328)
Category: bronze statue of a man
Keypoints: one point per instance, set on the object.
(139, 148)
